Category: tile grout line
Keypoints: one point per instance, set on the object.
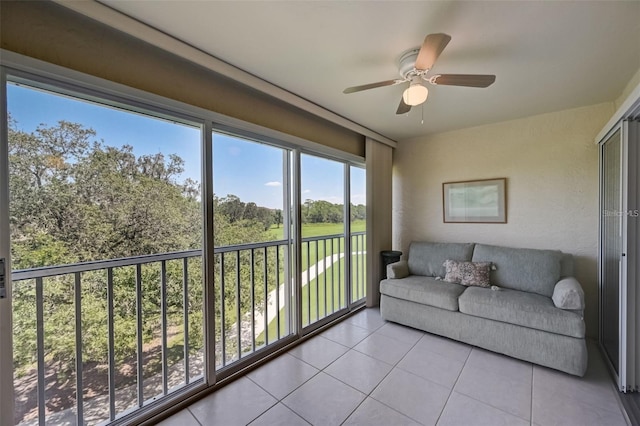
(368, 395)
(281, 401)
(353, 349)
(269, 408)
(393, 366)
(490, 405)
(292, 410)
(454, 385)
(192, 415)
(294, 389)
(531, 405)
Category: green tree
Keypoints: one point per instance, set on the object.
(75, 199)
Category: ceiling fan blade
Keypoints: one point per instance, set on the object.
(371, 86)
(403, 108)
(468, 80)
(432, 47)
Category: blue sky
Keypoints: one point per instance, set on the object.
(252, 171)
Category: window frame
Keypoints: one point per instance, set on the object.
(20, 69)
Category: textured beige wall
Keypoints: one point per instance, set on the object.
(551, 165)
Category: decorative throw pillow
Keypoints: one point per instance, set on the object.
(468, 273)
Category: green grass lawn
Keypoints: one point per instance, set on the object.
(313, 252)
(319, 229)
(325, 293)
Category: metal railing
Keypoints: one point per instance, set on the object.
(59, 275)
(161, 298)
(358, 266)
(250, 295)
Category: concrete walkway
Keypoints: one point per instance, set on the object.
(307, 276)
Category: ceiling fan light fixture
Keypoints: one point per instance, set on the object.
(415, 94)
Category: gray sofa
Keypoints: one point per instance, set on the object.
(532, 311)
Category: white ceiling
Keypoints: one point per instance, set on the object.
(547, 56)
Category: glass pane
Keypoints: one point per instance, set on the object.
(92, 183)
(358, 234)
(252, 247)
(611, 238)
(323, 245)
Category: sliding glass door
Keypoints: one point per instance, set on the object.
(153, 253)
(106, 250)
(253, 284)
(358, 222)
(611, 245)
(618, 260)
(324, 267)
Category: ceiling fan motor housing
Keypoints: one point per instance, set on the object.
(407, 64)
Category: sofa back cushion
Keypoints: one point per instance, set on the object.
(428, 258)
(534, 271)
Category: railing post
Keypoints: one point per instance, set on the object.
(223, 331)
(140, 357)
(238, 317)
(253, 301)
(308, 282)
(265, 281)
(317, 279)
(110, 331)
(185, 316)
(324, 267)
(163, 323)
(78, 314)
(278, 291)
(40, 350)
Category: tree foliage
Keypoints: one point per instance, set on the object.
(94, 201)
(75, 198)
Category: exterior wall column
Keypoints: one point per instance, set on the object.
(379, 161)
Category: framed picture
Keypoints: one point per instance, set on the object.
(475, 201)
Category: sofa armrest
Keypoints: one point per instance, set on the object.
(398, 270)
(568, 294)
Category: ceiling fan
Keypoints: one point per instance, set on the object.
(414, 66)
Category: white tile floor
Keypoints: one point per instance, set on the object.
(365, 371)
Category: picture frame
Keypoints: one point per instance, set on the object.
(475, 201)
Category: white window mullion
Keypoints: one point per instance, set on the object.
(6, 329)
(297, 241)
(289, 262)
(348, 255)
(208, 256)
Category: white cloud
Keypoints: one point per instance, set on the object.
(306, 191)
(359, 198)
(334, 199)
(274, 183)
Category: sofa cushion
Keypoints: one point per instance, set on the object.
(398, 269)
(568, 294)
(521, 308)
(428, 258)
(535, 271)
(424, 290)
(468, 273)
